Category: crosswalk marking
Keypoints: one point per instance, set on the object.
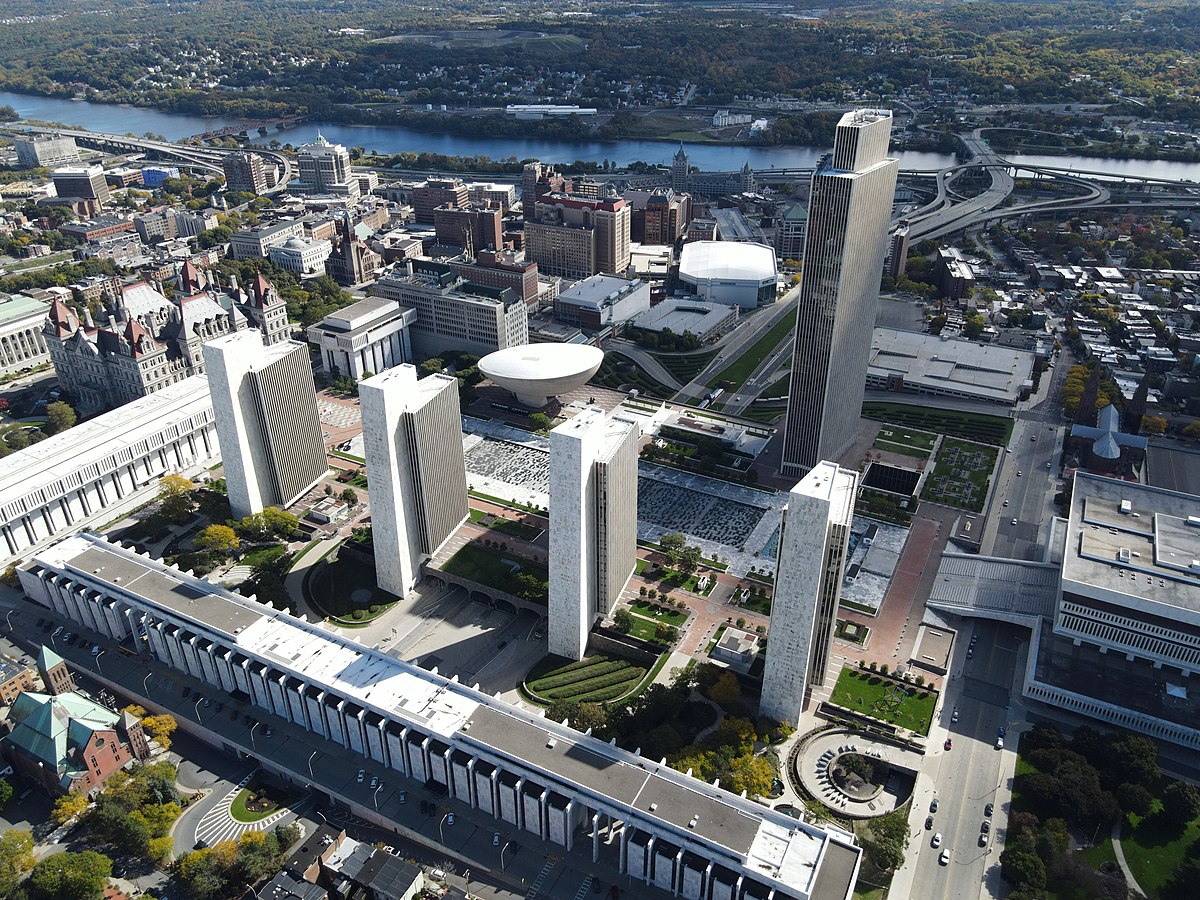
(218, 824)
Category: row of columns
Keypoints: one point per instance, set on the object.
(22, 348)
(51, 508)
(490, 785)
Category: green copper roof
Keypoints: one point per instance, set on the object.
(46, 727)
(17, 306)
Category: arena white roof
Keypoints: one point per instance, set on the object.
(727, 261)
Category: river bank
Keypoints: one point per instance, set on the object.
(393, 139)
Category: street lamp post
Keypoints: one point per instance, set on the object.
(8, 619)
(98, 655)
(375, 796)
(310, 760)
(55, 633)
(146, 686)
(502, 849)
(441, 829)
(198, 702)
(252, 742)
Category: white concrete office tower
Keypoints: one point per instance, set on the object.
(413, 437)
(808, 585)
(848, 215)
(593, 524)
(324, 168)
(268, 426)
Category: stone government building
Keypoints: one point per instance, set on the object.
(148, 342)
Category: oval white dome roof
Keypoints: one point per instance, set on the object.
(727, 260)
(538, 372)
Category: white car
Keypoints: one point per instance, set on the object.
(999, 743)
(944, 859)
(983, 840)
(362, 773)
(1014, 521)
(937, 840)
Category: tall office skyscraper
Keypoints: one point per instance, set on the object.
(268, 427)
(413, 438)
(808, 585)
(593, 525)
(848, 215)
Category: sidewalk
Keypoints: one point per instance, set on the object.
(311, 763)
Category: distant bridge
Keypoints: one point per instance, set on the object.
(261, 127)
(207, 158)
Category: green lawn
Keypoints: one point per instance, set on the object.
(759, 603)
(1100, 854)
(777, 389)
(658, 613)
(884, 506)
(239, 812)
(743, 367)
(500, 500)
(645, 630)
(594, 679)
(971, 426)
(716, 637)
(493, 568)
(762, 414)
(875, 695)
(685, 366)
(1153, 851)
(690, 583)
(916, 440)
(504, 526)
(960, 476)
(618, 370)
(345, 590)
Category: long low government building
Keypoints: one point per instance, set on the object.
(59, 485)
(913, 363)
(1113, 609)
(662, 827)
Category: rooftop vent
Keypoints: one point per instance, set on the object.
(692, 823)
(1126, 507)
(551, 743)
(1123, 554)
(653, 807)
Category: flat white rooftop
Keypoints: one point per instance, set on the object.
(689, 810)
(1134, 544)
(70, 452)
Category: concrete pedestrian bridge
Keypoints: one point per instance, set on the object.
(817, 767)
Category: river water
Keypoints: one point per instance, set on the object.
(396, 139)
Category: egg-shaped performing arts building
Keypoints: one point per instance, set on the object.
(537, 373)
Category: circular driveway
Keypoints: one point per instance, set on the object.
(813, 762)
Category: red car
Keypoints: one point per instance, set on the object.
(948, 744)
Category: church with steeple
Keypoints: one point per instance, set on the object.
(142, 341)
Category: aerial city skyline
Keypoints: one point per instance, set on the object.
(479, 455)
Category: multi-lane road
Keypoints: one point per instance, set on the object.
(1028, 477)
(970, 775)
